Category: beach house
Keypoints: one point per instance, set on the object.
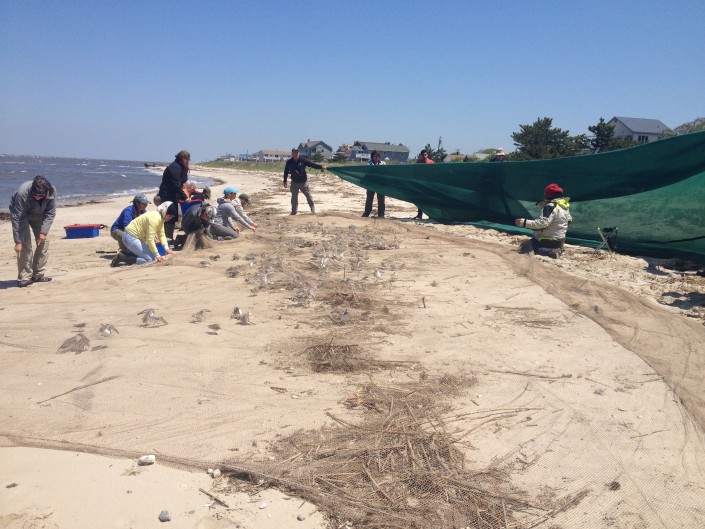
(638, 129)
(361, 151)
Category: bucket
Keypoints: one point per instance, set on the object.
(160, 249)
(186, 205)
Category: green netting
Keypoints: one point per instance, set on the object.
(653, 193)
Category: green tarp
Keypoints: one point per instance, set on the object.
(654, 193)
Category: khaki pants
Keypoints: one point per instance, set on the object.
(31, 263)
(117, 235)
(303, 187)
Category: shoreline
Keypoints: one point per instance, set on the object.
(217, 182)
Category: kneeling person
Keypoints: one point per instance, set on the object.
(138, 206)
(140, 234)
(551, 227)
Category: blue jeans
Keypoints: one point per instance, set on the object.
(139, 248)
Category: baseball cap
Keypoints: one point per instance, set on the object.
(141, 198)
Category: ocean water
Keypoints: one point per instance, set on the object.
(80, 180)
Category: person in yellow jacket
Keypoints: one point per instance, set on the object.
(141, 233)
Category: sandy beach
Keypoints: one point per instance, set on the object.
(342, 371)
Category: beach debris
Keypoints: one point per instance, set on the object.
(11, 485)
(214, 498)
(300, 517)
(79, 327)
(106, 329)
(199, 316)
(233, 271)
(164, 516)
(77, 388)
(76, 344)
(378, 274)
(214, 257)
(204, 264)
(150, 318)
(146, 460)
(216, 473)
(263, 505)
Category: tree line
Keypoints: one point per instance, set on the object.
(542, 140)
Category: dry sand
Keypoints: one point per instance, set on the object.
(570, 391)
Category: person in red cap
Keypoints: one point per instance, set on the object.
(550, 228)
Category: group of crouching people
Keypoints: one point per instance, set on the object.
(148, 236)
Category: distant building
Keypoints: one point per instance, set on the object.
(361, 151)
(228, 158)
(638, 129)
(310, 148)
(271, 156)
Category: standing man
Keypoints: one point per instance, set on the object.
(423, 158)
(299, 180)
(32, 209)
(172, 187)
(375, 159)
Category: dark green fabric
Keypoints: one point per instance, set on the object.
(654, 193)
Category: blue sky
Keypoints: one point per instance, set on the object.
(140, 80)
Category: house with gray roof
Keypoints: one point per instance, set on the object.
(362, 150)
(638, 129)
(310, 148)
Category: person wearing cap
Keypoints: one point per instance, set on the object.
(140, 234)
(138, 206)
(226, 213)
(422, 158)
(551, 227)
(172, 186)
(296, 166)
(197, 220)
(204, 195)
(498, 155)
(32, 212)
(375, 159)
(240, 202)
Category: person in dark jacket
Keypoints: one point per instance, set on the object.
(32, 212)
(138, 206)
(172, 186)
(296, 166)
(375, 159)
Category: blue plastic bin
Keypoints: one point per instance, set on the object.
(186, 205)
(160, 249)
(82, 231)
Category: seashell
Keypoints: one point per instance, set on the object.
(147, 460)
(263, 505)
(209, 471)
(216, 473)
